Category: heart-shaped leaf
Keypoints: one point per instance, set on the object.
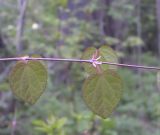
(102, 92)
(106, 54)
(28, 80)
(109, 55)
(88, 53)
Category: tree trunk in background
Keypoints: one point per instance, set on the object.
(158, 23)
(108, 28)
(101, 22)
(22, 4)
(116, 28)
(139, 34)
(139, 28)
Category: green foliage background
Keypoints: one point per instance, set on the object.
(64, 28)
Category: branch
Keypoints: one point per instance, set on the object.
(92, 61)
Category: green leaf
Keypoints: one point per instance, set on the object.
(107, 54)
(63, 3)
(28, 80)
(102, 92)
(133, 41)
(88, 53)
(112, 40)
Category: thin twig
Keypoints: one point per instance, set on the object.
(20, 24)
(80, 60)
(22, 5)
(132, 66)
(14, 121)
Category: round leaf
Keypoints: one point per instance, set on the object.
(102, 92)
(107, 54)
(28, 80)
(88, 53)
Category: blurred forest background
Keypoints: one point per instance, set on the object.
(64, 28)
